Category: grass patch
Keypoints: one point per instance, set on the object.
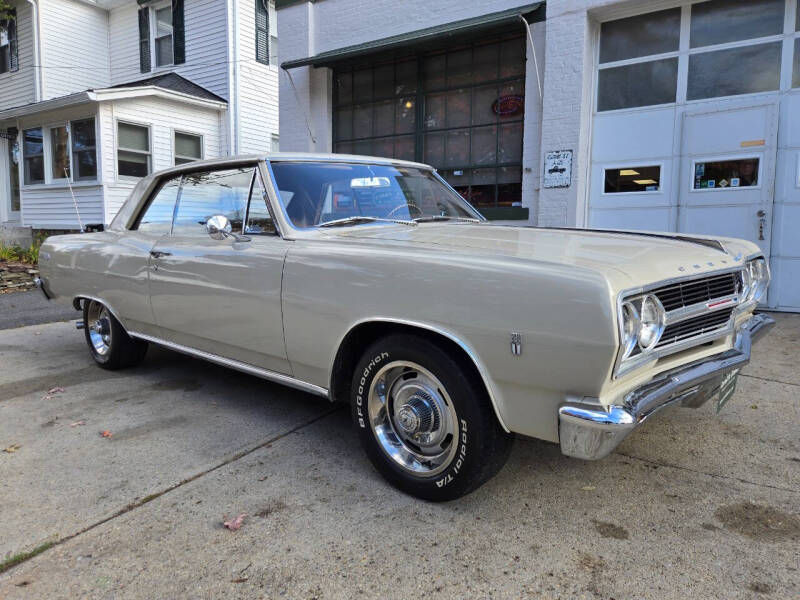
(15, 559)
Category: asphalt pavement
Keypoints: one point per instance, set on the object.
(693, 505)
(18, 309)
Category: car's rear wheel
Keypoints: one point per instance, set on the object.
(425, 420)
(109, 344)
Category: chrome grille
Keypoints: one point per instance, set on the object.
(687, 293)
(683, 330)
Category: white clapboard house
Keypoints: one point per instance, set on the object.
(95, 94)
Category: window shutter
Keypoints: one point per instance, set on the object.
(262, 32)
(12, 41)
(144, 39)
(178, 33)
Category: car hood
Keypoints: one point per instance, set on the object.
(628, 258)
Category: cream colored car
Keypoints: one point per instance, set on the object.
(372, 282)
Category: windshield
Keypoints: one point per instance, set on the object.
(313, 194)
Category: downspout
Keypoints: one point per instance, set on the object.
(38, 79)
(231, 65)
(236, 73)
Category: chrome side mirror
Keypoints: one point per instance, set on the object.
(219, 228)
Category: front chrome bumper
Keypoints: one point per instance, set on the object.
(592, 431)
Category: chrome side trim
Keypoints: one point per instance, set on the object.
(432, 328)
(235, 364)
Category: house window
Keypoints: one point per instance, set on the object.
(59, 152)
(632, 179)
(133, 150)
(162, 36)
(188, 147)
(262, 32)
(8, 44)
(33, 152)
(84, 150)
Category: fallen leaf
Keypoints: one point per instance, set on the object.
(235, 523)
(23, 583)
(239, 580)
(754, 406)
(12, 448)
(588, 488)
(106, 433)
(55, 390)
(77, 423)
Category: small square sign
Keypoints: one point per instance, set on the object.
(558, 168)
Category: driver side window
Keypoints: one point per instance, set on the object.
(206, 194)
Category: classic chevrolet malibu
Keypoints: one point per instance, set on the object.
(372, 282)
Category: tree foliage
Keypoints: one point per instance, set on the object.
(5, 9)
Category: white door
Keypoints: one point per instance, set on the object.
(9, 186)
(727, 172)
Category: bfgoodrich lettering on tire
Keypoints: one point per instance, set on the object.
(424, 419)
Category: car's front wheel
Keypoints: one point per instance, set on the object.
(425, 420)
(109, 344)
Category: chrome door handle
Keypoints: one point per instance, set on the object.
(157, 254)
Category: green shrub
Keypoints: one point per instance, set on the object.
(29, 255)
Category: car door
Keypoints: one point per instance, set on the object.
(126, 267)
(221, 294)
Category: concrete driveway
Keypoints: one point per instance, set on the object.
(692, 506)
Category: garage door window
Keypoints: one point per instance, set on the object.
(729, 48)
(726, 174)
(796, 68)
(723, 21)
(632, 180)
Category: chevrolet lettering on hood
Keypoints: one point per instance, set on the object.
(372, 282)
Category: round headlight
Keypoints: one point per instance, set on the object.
(652, 318)
(630, 328)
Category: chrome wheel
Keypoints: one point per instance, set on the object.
(98, 325)
(413, 418)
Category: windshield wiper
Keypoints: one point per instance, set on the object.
(431, 218)
(354, 220)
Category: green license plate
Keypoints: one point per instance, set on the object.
(727, 387)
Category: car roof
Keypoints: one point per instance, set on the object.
(285, 156)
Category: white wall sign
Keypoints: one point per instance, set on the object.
(558, 168)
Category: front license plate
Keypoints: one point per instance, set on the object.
(727, 388)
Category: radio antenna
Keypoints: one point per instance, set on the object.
(74, 201)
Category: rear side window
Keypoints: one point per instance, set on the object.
(211, 193)
(157, 217)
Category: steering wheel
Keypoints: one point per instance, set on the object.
(409, 205)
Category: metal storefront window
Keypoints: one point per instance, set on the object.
(460, 110)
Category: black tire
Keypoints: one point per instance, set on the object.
(122, 350)
(482, 447)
